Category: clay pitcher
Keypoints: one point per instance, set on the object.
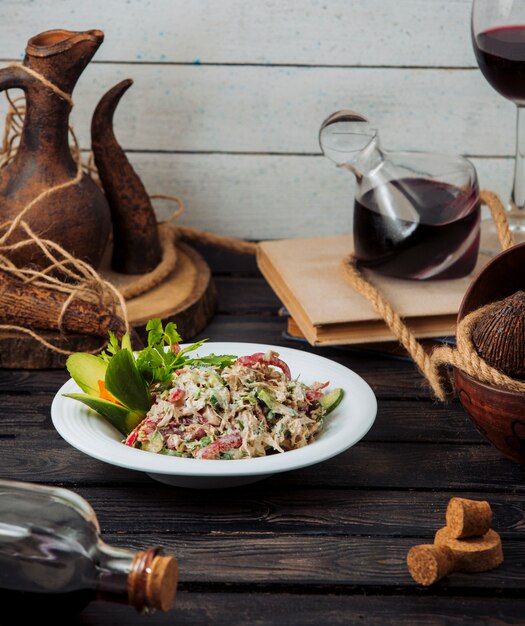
(76, 217)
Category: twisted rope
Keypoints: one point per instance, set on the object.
(394, 322)
(47, 83)
(499, 217)
(221, 241)
(467, 359)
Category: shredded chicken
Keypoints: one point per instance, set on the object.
(249, 409)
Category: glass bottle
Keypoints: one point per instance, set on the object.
(53, 561)
(416, 214)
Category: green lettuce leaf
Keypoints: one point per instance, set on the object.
(124, 382)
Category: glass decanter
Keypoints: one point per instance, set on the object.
(416, 214)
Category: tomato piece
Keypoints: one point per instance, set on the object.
(270, 359)
(223, 444)
(176, 395)
(315, 394)
(132, 438)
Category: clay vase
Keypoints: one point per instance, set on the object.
(136, 243)
(497, 413)
(76, 217)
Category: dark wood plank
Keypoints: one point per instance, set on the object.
(416, 466)
(262, 508)
(313, 560)
(397, 420)
(425, 422)
(29, 413)
(388, 378)
(393, 378)
(253, 296)
(25, 382)
(367, 465)
(224, 261)
(264, 609)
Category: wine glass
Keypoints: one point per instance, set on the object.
(498, 38)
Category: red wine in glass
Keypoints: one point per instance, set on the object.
(500, 53)
(498, 38)
(441, 241)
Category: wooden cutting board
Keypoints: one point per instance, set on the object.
(187, 297)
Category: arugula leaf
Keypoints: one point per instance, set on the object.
(156, 364)
(194, 346)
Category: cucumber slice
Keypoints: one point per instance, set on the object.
(214, 379)
(266, 397)
(331, 400)
(275, 407)
(220, 397)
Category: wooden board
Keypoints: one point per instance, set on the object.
(339, 32)
(204, 71)
(315, 606)
(270, 196)
(272, 109)
(187, 297)
(321, 545)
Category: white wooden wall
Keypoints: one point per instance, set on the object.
(229, 96)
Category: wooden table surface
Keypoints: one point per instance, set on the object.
(322, 545)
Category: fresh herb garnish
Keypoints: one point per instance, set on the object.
(162, 357)
(117, 385)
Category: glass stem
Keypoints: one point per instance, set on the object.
(518, 190)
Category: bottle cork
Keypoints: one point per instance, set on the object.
(473, 554)
(161, 585)
(152, 580)
(428, 563)
(468, 518)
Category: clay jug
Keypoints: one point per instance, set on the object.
(76, 217)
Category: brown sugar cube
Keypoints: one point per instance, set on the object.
(428, 563)
(468, 518)
(475, 554)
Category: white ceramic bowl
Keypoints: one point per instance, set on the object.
(350, 421)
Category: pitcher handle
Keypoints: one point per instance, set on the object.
(12, 77)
